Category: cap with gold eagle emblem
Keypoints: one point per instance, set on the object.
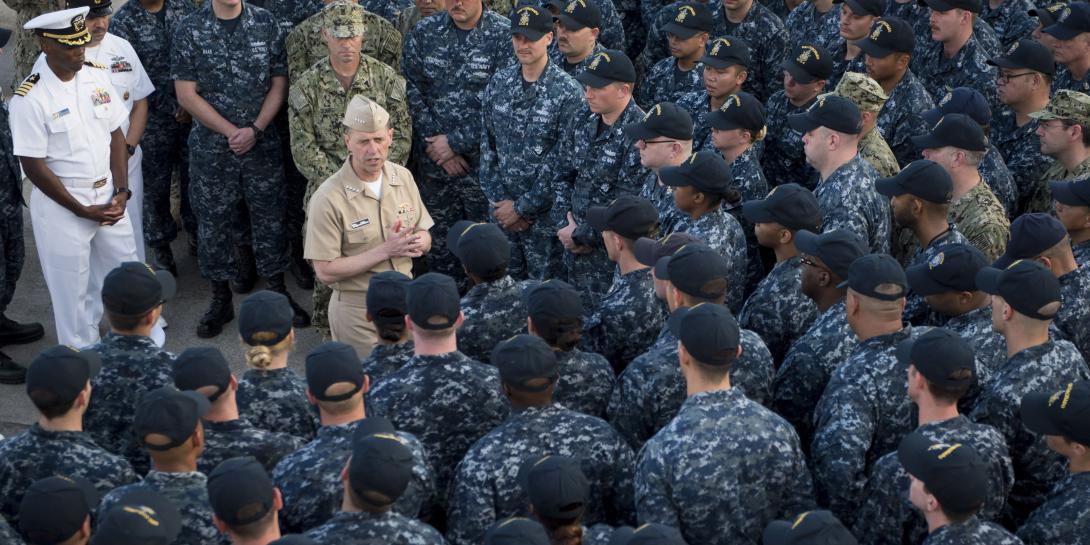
(808, 63)
(664, 119)
(53, 509)
(531, 22)
(606, 67)
(690, 19)
(888, 35)
(953, 473)
(67, 26)
(1065, 412)
(809, 528)
(580, 14)
(726, 51)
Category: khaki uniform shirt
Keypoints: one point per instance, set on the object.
(345, 219)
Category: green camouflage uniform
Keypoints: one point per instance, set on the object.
(868, 96)
(306, 46)
(1069, 106)
(978, 215)
(874, 149)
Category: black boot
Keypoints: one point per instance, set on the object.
(12, 332)
(247, 270)
(300, 269)
(164, 260)
(219, 312)
(11, 372)
(276, 283)
(192, 245)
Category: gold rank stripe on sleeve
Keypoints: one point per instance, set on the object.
(27, 84)
(95, 64)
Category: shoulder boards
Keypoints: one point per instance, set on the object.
(27, 84)
(95, 64)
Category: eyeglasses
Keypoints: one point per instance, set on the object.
(807, 261)
(1004, 78)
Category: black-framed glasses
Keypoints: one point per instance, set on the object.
(1003, 78)
(807, 261)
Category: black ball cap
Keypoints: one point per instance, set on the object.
(606, 67)
(1031, 235)
(689, 19)
(706, 171)
(53, 509)
(1026, 53)
(380, 463)
(481, 247)
(708, 332)
(655, 534)
(1071, 21)
(887, 36)
(739, 111)
(333, 363)
(1064, 412)
(837, 249)
(1048, 15)
(386, 293)
(832, 112)
(167, 417)
(58, 374)
(141, 517)
(649, 251)
(200, 367)
(526, 362)
(579, 14)
(954, 268)
(240, 491)
(873, 270)
(1071, 192)
(531, 22)
(937, 355)
(629, 216)
(960, 100)
(696, 270)
(1026, 286)
(923, 178)
(373, 425)
(864, 7)
(789, 205)
(556, 486)
(953, 472)
(99, 8)
(808, 63)
(552, 300)
(295, 539)
(726, 51)
(957, 130)
(665, 119)
(5, 35)
(516, 531)
(808, 528)
(433, 301)
(133, 289)
(264, 312)
(947, 5)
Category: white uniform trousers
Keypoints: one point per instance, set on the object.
(135, 207)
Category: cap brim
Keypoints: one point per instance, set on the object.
(987, 280)
(776, 533)
(798, 72)
(645, 251)
(757, 212)
(937, 5)
(719, 120)
(531, 34)
(593, 80)
(716, 62)
(639, 131)
(597, 218)
(454, 234)
(1035, 414)
(1061, 32)
(1004, 261)
(1004, 62)
(569, 22)
(671, 177)
(101, 11)
(927, 141)
(870, 48)
(920, 281)
(1063, 193)
(802, 123)
(681, 31)
(903, 351)
(889, 187)
(806, 242)
(661, 268)
(931, 116)
(202, 402)
(909, 453)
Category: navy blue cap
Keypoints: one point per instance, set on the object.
(690, 19)
(953, 473)
(957, 130)
(789, 205)
(516, 531)
(481, 247)
(556, 485)
(1031, 235)
(832, 112)
(1027, 286)
(649, 251)
(705, 170)
(696, 270)
(708, 332)
(653, 533)
(664, 119)
(873, 270)
(381, 463)
(1047, 16)
(170, 414)
(727, 51)
(808, 528)
(864, 7)
(58, 374)
(960, 100)
(953, 268)
(265, 312)
(606, 67)
(923, 178)
(552, 300)
(526, 362)
(1065, 412)
(1071, 192)
(531, 22)
(300, 539)
(333, 363)
(808, 63)
(630, 216)
(373, 425)
(433, 301)
(98, 8)
(888, 35)
(1029, 54)
(133, 289)
(947, 5)
(937, 355)
(240, 491)
(579, 14)
(1072, 21)
(141, 517)
(386, 293)
(740, 110)
(53, 509)
(202, 366)
(837, 249)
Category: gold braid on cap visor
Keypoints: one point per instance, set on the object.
(82, 37)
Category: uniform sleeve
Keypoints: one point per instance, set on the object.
(183, 58)
(880, 519)
(488, 172)
(397, 105)
(795, 389)
(625, 409)
(412, 67)
(652, 489)
(324, 230)
(295, 51)
(143, 87)
(612, 35)
(846, 218)
(763, 315)
(621, 501)
(425, 221)
(278, 59)
(312, 162)
(770, 52)
(471, 505)
(28, 130)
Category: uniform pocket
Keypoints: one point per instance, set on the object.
(60, 136)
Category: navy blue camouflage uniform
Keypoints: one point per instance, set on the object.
(386, 359)
(446, 71)
(234, 73)
(662, 196)
(493, 312)
(698, 104)
(188, 491)
(573, 69)
(989, 347)
(1073, 319)
(968, 68)
(916, 309)
(8, 534)
(386, 527)
(778, 311)
(276, 400)
(806, 25)
(387, 9)
(723, 233)
(586, 381)
(1021, 149)
(12, 246)
(848, 201)
(783, 160)
(994, 172)
(660, 83)
(1082, 252)
(900, 118)
(234, 438)
(486, 487)
(1010, 21)
(971, 532)
(1065, 515)
(626, 321)
(522, 128)
(1063, 79)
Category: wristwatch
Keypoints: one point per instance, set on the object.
(125, 190)
(131, 148)
(257, 132)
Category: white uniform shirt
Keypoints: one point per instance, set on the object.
(68, 123)
(124, 68)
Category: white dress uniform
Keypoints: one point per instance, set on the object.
(69, 125)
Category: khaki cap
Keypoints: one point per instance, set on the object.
(861, 89)
(365, 115)
(343, 19)
(1068, 105)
